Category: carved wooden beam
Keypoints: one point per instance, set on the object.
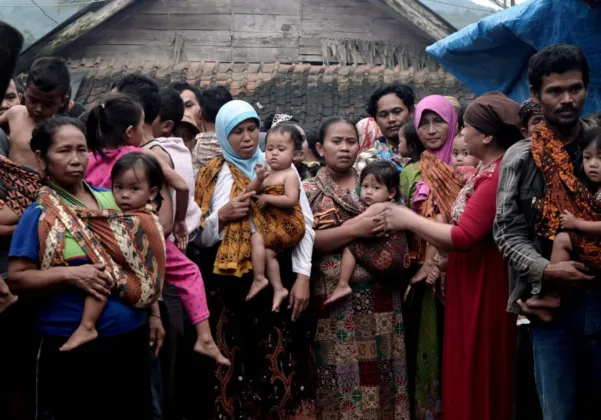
(54, 42)
(432, 25)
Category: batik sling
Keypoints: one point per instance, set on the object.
(130, 245)
(564, 192)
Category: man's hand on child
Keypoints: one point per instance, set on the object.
(568, 220)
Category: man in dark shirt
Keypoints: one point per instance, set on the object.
(390, 106)
(567, 349)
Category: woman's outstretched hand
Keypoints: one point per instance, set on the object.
(235, 209)
(392, 219)
(92, 279)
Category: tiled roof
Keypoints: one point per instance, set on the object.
(309, 92)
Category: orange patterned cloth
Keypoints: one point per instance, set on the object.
(564, 192)
(285, 227)
(18, 185)
(279, 228)
(131, 245)
(444, 183)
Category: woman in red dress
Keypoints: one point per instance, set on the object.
(479, 335)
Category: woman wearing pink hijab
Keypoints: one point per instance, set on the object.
(431, 194)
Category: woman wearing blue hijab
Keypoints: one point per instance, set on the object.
(270, 356)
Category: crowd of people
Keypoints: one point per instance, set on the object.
(169, 250)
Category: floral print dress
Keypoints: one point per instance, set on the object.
(359, 344)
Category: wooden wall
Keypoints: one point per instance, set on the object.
(253, 31)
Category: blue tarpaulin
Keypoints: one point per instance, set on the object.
(492, 54)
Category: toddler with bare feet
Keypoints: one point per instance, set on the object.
(379, 183)
(278, 192)
(45, 93)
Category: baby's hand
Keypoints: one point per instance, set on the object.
(261, 171)
(261, 203)
(568, 220)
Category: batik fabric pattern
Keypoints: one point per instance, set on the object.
(19, 185)
(564, 192)
(359, 345)
(130, 245)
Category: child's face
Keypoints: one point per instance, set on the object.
(43, 105)
(404, 148)
(532, 123)
(373, 191)
(279, 151)
(461, 157)
(592, 162)
(132, 190)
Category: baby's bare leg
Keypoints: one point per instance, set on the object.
(273, 271)
(92, 309)
(347, 266)
(257, 253)
(562, 248)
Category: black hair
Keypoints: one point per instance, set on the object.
(460, 122)
(179, 87)
(591, 135)
(412, 139)
(594, 119)
(293, 132)
(211, 101)
(63, 109)
(325, 126)
(558, 58)
(385, 173)
(43, 135)
(149, 164)
(172, 106)
(48, 74)
(268, 123)
(312, 137)
(107, 122)
(144, 90)
(404, 93)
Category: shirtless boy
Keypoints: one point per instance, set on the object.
(45, 93)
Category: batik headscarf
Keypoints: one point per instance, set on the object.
(229, 116)
(441, 106)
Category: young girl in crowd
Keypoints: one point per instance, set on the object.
(115, 128)
(379, 183)
(461, 157)
(278, 195)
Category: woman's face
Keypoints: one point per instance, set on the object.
(432, 130)
(475, 141)
(244, 139)
(67, 157)
(340, 146)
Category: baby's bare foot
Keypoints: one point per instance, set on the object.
(278, 297)
(207, 347)
(338, 293)
(82, 335)
(258, 284)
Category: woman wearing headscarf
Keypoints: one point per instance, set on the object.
(432, 191)
(479, 339)
(269, 376)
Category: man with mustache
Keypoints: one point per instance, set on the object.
(565, 330)
(390, 106)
